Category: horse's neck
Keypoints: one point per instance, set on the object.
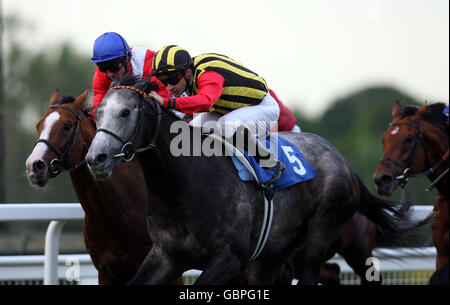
(160, 162)
(437, 142)
(87, 130)
(89, 191)
(162, 169)
(112, 208)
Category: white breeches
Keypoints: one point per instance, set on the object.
(258, 118)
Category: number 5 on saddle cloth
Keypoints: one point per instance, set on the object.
(297, 169)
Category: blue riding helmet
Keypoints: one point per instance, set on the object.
(110, 46)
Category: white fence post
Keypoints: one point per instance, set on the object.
(56, 212)
(51, 252)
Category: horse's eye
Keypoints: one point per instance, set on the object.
(68, 126)
(125, 113)
(408, 141)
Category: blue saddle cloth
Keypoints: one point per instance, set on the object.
(297, 169)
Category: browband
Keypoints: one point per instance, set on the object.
(142, 93)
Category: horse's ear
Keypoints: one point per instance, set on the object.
(152, 86)
(54, 98)
(146, 85)
(79, 101)
(396, 110)
(422, 110)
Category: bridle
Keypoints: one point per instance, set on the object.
(56, 164)
(402, 180)
(128, 149)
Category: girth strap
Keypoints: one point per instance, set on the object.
(265, 228)
(268, 195)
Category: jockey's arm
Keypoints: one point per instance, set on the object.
(210, 85)
(100, 85)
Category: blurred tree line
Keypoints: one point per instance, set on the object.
(355, 123)
(29, 80)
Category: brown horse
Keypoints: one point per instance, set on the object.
(114, 227)
(416, 144)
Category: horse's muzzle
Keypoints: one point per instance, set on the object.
(37, 173)
(99, 165)
(385, 183)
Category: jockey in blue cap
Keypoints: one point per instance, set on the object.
(114, 58)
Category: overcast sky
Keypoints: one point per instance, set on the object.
(309, 51)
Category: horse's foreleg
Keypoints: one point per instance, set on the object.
(156, 269)
(320, 237)
(105, 279)
(222, 268)
(264, 273)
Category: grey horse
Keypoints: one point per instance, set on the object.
(202, 216)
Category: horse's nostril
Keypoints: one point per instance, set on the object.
(100, 158)
(38, 165)
(383, 180)
(386, 179)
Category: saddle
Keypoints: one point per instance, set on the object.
(297, 169)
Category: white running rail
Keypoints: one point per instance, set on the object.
(59, 213)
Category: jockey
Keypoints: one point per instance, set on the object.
(216, 83)
(114, 59)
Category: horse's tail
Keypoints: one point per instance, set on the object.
(393, 219)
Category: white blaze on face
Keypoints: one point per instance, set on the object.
(41, 148)
(395, 130)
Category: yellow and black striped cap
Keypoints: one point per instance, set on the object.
(171, 58)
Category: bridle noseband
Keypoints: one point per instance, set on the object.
(402, 180)
(128, 149)
(56, 164)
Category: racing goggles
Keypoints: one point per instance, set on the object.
(111, 66)
(172, 80)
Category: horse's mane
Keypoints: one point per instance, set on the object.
(66, 99)
(126, 80)
(433, 115)
(141, 84)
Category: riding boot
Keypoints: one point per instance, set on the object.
(246, 140)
